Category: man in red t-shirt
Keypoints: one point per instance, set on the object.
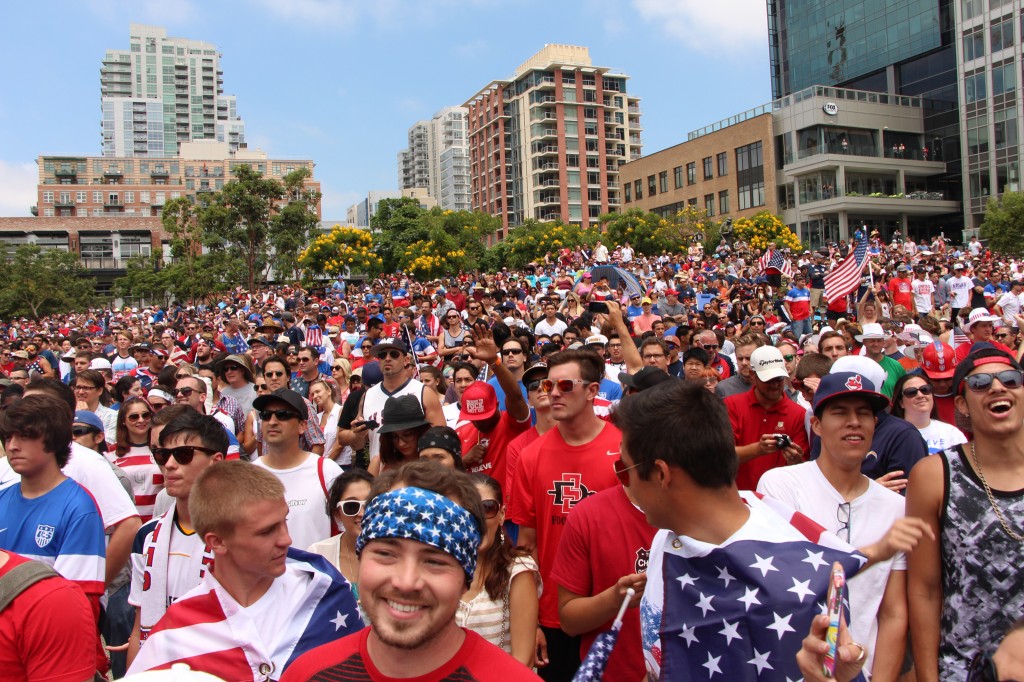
(48, 632)
(487, 431)
(901, 290)
(567, 464)
(761, 416)
(603, 552)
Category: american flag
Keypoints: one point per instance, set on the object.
(738, 612)
(594, 663)
(315, 337)
(775, 260)
(845, 277)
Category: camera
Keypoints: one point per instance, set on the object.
(782, 441)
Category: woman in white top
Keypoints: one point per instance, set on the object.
(502, 603)
(913, 400)
(322, 393)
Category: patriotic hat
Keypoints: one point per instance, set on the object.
(979, 315)
(844, 384)
(938, 360)
(479, 402)
(423, 516)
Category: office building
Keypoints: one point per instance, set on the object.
(362, 212)
(437, 159)
(547, 142)
(164, 91)
(100, 186)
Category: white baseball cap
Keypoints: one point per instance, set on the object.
(767, 362)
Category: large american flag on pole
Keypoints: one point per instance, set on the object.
(845, 277)
(775, 260)
(738, 612)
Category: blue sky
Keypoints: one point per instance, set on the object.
(341, 81)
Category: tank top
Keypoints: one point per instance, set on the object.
(982, 580)
(373, 405)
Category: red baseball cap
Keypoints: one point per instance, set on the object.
(938, 360)
(479, 402)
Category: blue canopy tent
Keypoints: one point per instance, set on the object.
(617, 276)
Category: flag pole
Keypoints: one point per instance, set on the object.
(630, 593)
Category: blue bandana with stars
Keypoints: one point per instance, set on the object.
(424, 516)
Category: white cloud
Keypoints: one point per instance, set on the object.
(17, 187)
(731, 26)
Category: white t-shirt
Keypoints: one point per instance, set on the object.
(960, 290)
(923, 291)
(1010, 303)
(549, 328)
(181, 577)
(941, 436)
(806, 489)
(306, 495)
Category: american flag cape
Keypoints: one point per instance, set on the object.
(738, 612)
(845, 277)
(315, 337)
(775, 260)
(210, 632)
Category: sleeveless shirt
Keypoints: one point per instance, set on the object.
(373, 405)
(982, 579)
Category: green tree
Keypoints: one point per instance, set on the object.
(38, 282)
(531, 241)
(240, 215)
(292, 228)
(763, 228)
(638, 227)
(397, 224)
(1003, 227)
(145, 278)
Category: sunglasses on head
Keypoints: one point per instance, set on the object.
(912, 391)
(282, 415)
(622, 471)
(1009, 378)
(183, 454)
(352, 507)
(563, 385)
(139, 416)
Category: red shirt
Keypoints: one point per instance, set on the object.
(552, 476)
(605, 538)
(348, 659)
(964, 349)
(750, 421)
(723, 367)
(48, 632)
(495, 461)
(901, 292)
(512, 454)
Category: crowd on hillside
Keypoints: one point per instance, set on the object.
(397, 477)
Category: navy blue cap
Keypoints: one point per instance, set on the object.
(847, 383)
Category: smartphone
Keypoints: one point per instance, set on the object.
(836, 586)
(370, 424)
(597, 307)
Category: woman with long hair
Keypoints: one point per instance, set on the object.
(433, 379)
(402, 424)
(914, 400)
(134, 457)
(571, 307)
(502, 602)
(341, 371)
(452, 334)
(126, 387)
(323, 393)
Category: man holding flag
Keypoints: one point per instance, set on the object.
(774, 265)
(845, 277)
(734, 581)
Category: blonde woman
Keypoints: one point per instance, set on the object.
(322, 393)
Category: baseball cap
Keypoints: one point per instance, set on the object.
(872, 330)
(938, 360)
(977, 358)
(597, 339)
(479, 402)
(89, 419)
(671, 292)
(958, 266)
(100, 363)
(767, 362)
(538, 370)
(839, 384)
(862, 365)
(390, 343)
(287, 396)
(646, 300)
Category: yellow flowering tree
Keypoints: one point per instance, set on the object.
(343, 247)
(530, 241)
(763, 228)
(644, 231)
(439, 256)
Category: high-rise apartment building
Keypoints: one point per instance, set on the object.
(164, 91)
(437, 159)
(547, 142)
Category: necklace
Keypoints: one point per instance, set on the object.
(992, 499)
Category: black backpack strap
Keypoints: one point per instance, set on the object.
(20, 578)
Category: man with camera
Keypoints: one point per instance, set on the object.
(767, 426)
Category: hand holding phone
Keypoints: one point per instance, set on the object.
(836, 587)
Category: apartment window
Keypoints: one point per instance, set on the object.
(47, 197)
(65, 197)
(1006, 128)
(652, 185)
(708, 168)
(750, 175)
(749, 156)
(677, 174)
(628, 192)
(723, 202)
(691, 173)
(751, 195)
(144, 197)
(723, 164)
(709, 204)
(80, 197)
(97, 197)
(129, 197)
(1002, 35)
(974, 87)
(160, 198)
(638, 189)
(974, 45)
(971, 8)
(48, 212)
(663, 181)
(1004, 78)
(977, 134)
(692, 202)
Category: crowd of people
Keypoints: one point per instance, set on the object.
(466, 477)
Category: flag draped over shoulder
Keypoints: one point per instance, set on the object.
(738, 612)
(845, 277)
(212, 633)
(775, 260)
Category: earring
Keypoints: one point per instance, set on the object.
(501, 536)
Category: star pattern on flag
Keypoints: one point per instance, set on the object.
(688, 635)
(723, 574)
(685, 580)
(704, 604)
(760, 661)
(815, 560)
(712, 665)
(781, 625)
(340, 621)
(763, 564)
(800, 589)
(749, 597)
(731, 631)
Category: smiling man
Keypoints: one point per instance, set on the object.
(261, 605)
(417, 557)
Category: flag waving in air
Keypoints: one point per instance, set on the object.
(738, 612)
(845, 278)
(775, 260)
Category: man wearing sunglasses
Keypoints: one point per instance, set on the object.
(169, 558)
(967, 590)
(708, 340)
(306, 475)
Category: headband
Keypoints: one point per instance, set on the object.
(423, 516)
(158, 393)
